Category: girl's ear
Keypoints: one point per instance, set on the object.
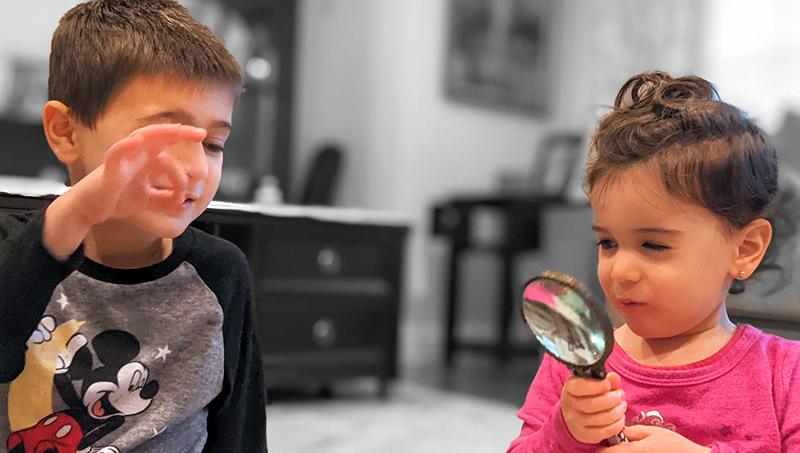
(752, 242)
(59, 129)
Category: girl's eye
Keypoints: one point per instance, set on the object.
(213, 148)
(655, 247)
(606, 244)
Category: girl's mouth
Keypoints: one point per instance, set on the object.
(628, 303)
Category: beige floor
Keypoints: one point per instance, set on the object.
(469, 407)
(414, 418)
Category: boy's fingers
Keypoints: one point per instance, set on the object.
(580, 387)
(150, 139)
(129, 148)
(167, 181)
(168, 165)
(158, 136)
(163, 199)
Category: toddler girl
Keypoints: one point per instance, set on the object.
(680, 184)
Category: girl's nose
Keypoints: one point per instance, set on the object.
(625, 268)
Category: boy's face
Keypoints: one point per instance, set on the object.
(152, 100)
(663, 264)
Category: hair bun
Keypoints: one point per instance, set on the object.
(662, 93)
(639, 90)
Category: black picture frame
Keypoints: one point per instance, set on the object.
(556, 164)
(497, 54)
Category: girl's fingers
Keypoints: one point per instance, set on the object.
(599, 404)
(609, 430)
(609, 417)
(614, 379)
(581, 387)
(639, 432)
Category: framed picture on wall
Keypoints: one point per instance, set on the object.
(497, 53)
(558, 165)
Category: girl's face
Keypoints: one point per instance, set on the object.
(664, 264)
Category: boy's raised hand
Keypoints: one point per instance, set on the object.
(135, 175)
(594, 410)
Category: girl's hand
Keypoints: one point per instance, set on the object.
(654, 439)
(594, 410)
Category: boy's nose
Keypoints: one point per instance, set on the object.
(193, 158)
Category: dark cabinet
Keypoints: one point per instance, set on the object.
(328, 298)
(326, 288)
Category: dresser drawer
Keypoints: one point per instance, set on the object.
(291, 324)
(319, 258)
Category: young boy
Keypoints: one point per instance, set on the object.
(122, 329)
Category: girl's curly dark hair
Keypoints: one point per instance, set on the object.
(706, 151)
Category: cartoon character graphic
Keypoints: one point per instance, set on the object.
(116, 389)
(57, 433)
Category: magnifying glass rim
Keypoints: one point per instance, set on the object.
(596, 313)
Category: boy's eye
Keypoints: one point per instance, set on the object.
(655, 247)
(606, 244)
(213, 147)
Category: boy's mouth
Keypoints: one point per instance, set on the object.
(187, 203)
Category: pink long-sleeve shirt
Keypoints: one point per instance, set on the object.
(745, 398)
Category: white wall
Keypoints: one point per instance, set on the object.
(370, 76)
(752, 54)
(27, 35)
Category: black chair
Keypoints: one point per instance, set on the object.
(323, 176)
(25, 149)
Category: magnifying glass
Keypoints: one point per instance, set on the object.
(574, 329)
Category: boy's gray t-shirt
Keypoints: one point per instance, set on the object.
(139, 361)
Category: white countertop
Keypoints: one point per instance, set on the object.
(33, 187)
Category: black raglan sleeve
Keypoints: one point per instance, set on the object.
(237, 416)
(28, 276)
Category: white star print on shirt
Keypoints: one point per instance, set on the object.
(62, 301)
(162, 353)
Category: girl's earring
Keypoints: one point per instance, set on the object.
(741, 274)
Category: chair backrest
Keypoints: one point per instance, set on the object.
(323, 176)
(25, 150)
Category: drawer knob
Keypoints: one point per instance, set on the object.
(324, 332)
(329, 261)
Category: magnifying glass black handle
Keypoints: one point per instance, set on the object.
(616, 440)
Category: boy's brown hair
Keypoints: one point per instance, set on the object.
(100, 45)
(703, 150)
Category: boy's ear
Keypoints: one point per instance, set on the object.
(752, 242)
(59, 128)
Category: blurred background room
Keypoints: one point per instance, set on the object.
(432, 151)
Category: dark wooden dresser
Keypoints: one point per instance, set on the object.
(326, 286)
